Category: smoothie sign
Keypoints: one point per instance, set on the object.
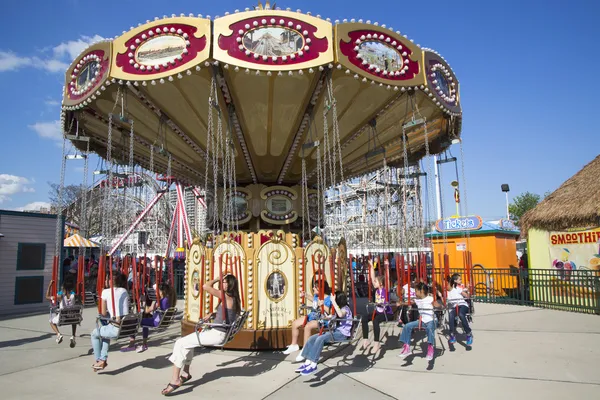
(454, 224)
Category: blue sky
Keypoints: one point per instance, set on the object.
(527, 89)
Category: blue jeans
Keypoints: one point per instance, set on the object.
(408, 328)
(462, 314)
(314, 346)
(101, 340)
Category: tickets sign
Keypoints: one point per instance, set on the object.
(455, 224)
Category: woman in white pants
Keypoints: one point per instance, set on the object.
(183, 351)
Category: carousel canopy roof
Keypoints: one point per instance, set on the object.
(270, 71)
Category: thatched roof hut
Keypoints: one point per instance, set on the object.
(575, 204)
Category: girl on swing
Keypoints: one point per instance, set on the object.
(383, 312)
(153, 315)
(314, 345)
(64, 298)
(183, 351)
(312, 320)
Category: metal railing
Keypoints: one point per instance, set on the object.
(577, 291)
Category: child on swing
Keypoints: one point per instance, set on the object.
(314, 345)
(425, 303)
(458, 307)
(383, 312)
(312, 322)
(64, 298)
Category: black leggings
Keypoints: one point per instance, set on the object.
(377, 319)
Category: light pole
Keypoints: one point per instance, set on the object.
(505, 188)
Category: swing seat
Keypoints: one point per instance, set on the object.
(232, 329)
(90, 299)
(395, 309)
(70, 315)
(128, 327)
(166, 319)
(333, 323)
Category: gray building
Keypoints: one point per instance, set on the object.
(27, 243)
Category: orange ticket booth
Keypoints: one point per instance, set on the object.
(492, 246)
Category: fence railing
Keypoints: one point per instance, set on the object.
(577, 291)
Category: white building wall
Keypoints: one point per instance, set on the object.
(18, 228)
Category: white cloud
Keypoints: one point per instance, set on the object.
(35, 206)
(48, 130)
(10, 61)
(12, 184)
(52, 103)
(62, 56)
(73, 48)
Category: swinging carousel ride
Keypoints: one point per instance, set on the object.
(262, 112)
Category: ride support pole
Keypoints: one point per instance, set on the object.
(332, 270)
(200, 283)
(54, 288)
(144, 268)
(352, 283)
(223, 302)
(136, 284)
(387, 278)
(100, 280)
(398, 277)
(447, 265)
(369, 280)
(80, 289)
(238, 267)
(171, 273)
(112, 290)
(212, 276)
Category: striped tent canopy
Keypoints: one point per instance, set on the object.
(78, 241)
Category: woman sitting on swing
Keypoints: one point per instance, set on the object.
(382, 313)
(183, 351)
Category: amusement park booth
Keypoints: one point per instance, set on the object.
(261, 111)
(470, 242)
(563, 236)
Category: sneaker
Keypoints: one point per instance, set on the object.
(452, 339)
(291, 348)
(301, 368)
(430, 352)
(469, 340)
(309, 370)
(72, 342)
(59, 339)
(405, 351)
(141, 349)
(300, 358)
(127, 349)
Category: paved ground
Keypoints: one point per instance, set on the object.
(519, 353)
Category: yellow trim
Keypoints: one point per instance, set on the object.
(221, 27)
(203, 26)
(342, 31)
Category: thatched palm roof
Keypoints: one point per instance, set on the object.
(575, 204)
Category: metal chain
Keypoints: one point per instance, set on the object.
(209, 144)
(305, 214)
(320, 194)
(84, 196)
(59, 211)
(464, 190)
(109, 163)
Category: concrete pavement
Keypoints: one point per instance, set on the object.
(519, 353)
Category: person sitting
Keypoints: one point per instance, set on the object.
(183, 350)
(168, 299)
(383, 312)
(312, 320)
(314, 345)
(458, 307)
(64, 298)
(112, 309)
(425, 303)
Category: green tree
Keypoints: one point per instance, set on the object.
(521, 204)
